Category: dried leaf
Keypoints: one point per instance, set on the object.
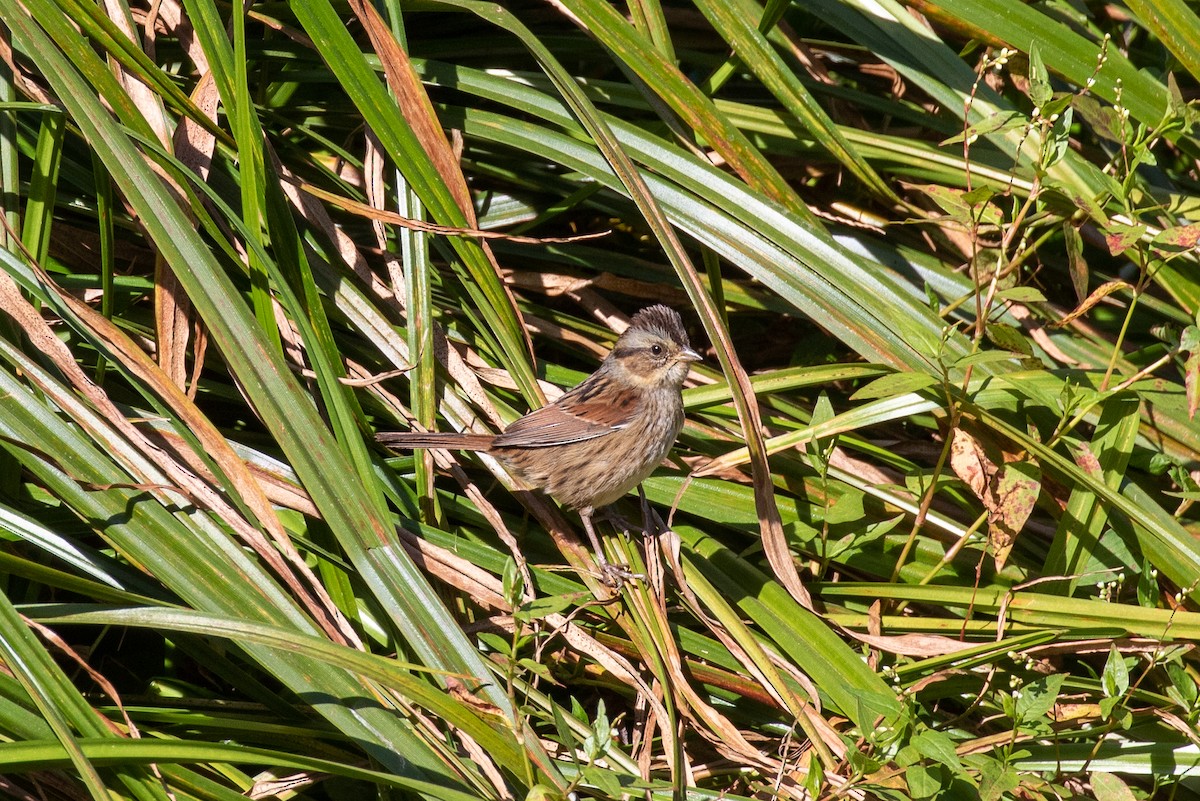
(1008, 490)
(970, 463)
(1087, 461)
(268, 786)
(1013, 492)
(1102, 291)
(461, 693)
(414, 103)
(919, 645)
(1077, 265)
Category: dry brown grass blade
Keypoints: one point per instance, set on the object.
(280, 554)
(919, 645)
(417, 109)
(278, 489)
(172, 323)
(487, 591)
(669, 544)
(415, 105)
(99, 678)
(824, 738)
(379, 215)
(143, 97)
(714, 726)
(171, 306)
(194, 146)
(580, 557)
(170, 14)
(775, 544)
(376, 191)
(1099, 294)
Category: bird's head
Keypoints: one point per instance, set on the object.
(654, 350)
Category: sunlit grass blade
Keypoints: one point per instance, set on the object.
(402, 146)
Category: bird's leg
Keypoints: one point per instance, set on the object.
(614, 575)
(585, 514)
(652, 524)
(617, 519)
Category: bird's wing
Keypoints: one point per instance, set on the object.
(590, 410)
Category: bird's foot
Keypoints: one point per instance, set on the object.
(616, 576)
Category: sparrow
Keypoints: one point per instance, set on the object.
(604, 437)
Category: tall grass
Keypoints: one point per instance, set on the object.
(931, 518)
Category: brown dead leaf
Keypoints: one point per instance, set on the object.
(459, 692)
(194, 146)
(172, 306)
(1007, 485)
(415, 105)
(1065, 712)
(1101, 292)
(970, 463)
(267, 785)
(919, 645)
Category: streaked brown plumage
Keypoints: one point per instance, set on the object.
(602, 438)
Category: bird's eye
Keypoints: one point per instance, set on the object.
(657, 350)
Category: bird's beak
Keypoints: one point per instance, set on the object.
(689, 355)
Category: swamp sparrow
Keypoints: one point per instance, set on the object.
(602, 438)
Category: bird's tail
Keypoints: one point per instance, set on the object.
(448, 440)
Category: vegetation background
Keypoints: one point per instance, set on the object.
(933, 524)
